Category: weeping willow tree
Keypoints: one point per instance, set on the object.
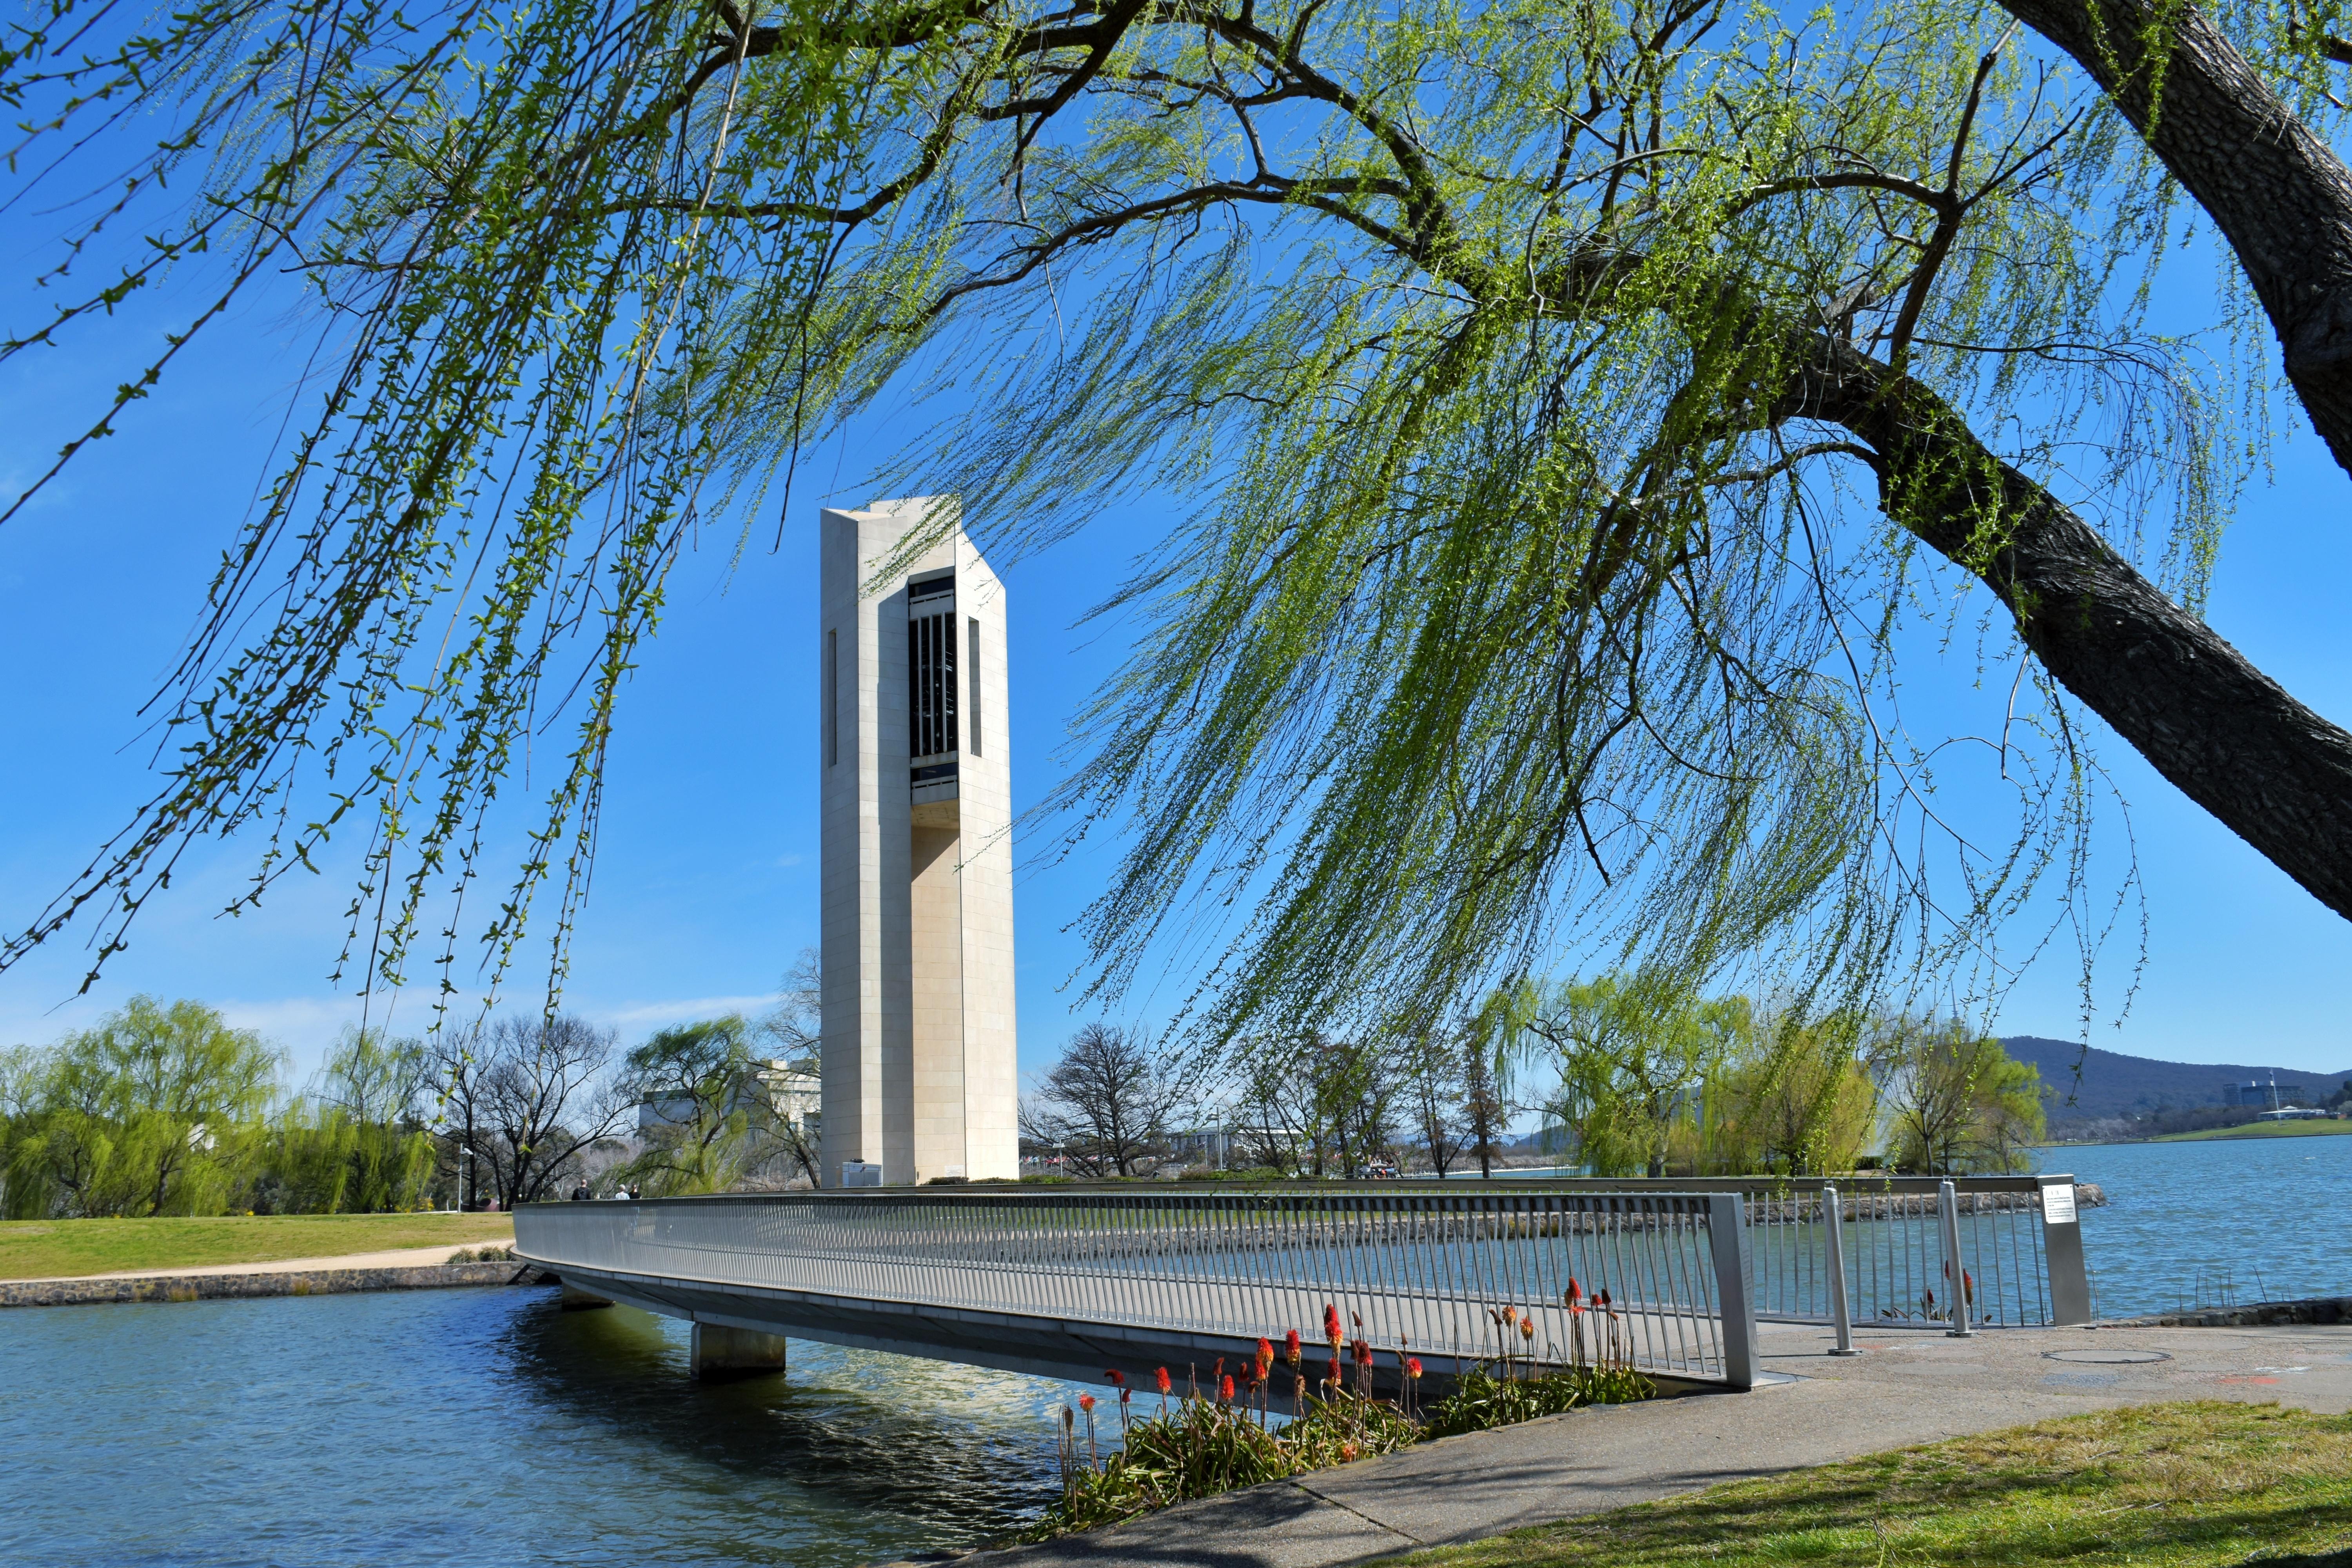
(154, 1109)
(1573, 405)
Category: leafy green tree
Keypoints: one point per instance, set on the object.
(1959, 1102)
(1572, 400)
(358, 1142)
(1797, 1097)
(711, 1122)
(1632, 1053)
(156, 1110)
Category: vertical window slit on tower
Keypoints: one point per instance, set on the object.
(832, 698)
(972, 675)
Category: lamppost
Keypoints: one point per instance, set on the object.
(464, 1155)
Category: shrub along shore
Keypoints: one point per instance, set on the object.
(1236, 1433)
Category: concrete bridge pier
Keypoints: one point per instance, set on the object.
(723, 1353)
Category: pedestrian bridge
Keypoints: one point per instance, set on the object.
(1072, 1281)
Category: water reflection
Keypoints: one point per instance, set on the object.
(465, 1426)
(955, 1447)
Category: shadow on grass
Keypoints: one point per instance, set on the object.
(2199, 1485)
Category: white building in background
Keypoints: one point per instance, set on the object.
(919, 1071)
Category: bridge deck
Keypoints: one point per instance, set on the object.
(1070, 1287)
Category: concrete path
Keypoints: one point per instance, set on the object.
(1912, 1386)
(408, 1258)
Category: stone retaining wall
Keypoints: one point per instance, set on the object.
(2321, 1310)
(219, 1286)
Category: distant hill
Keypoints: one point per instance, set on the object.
(2118, 1085)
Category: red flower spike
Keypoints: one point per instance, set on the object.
(1125, 1395)
(1290, 1351)
(1575, 1291)
(1335, 1370)
(1510, 1316)
(1225, 1389)
(1117, 1379)
(1363, 1354)
(1086, 1403)
(1413, 1366)
(1166, 1383)
(1331, 1334)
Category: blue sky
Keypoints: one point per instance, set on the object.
(707, 880)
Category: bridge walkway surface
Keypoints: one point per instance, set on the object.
(1068, 1282)
(1909, 1387)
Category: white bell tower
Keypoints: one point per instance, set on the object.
(917, 804)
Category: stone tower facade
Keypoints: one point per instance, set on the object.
(916, 804)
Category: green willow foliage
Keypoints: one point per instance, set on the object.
(155, 1111)
(1523, 598)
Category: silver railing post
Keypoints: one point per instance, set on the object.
(2061, 1253)
(1956, 1284)
(1727, 1235)
(1841, 1309)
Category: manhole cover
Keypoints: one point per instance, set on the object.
(2104, 1358)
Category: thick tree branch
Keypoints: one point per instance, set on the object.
(2278, 192)
(2278, 774)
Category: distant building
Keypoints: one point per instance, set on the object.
(2294, 1113)
(792, 1088)
(2266, 1095)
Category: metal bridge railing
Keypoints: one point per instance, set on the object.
(1427, 1268)
(1916, 1249)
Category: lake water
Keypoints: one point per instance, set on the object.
(486, 1426)
(448, 1426)
(2259, 1220)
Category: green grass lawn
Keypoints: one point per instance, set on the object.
(59, 1248)
(2262, 1130)
(2204, 1485)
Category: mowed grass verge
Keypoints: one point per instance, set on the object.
(62, 1249)
(2155, 1485)
(2261, 1129)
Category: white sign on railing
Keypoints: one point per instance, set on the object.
(2058, 1204)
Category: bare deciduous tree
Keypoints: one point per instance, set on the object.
(1442, 1099)
(1105, 1105)
(528, 1096)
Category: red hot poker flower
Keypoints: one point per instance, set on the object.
(1331, 1334)
(1117, 1380)
(1225, 1389)
(1413, 1366)
(1265, 1358)
(1086, 1403)
(1573, 1296)
(1166, 1383)
(1291, 1350)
